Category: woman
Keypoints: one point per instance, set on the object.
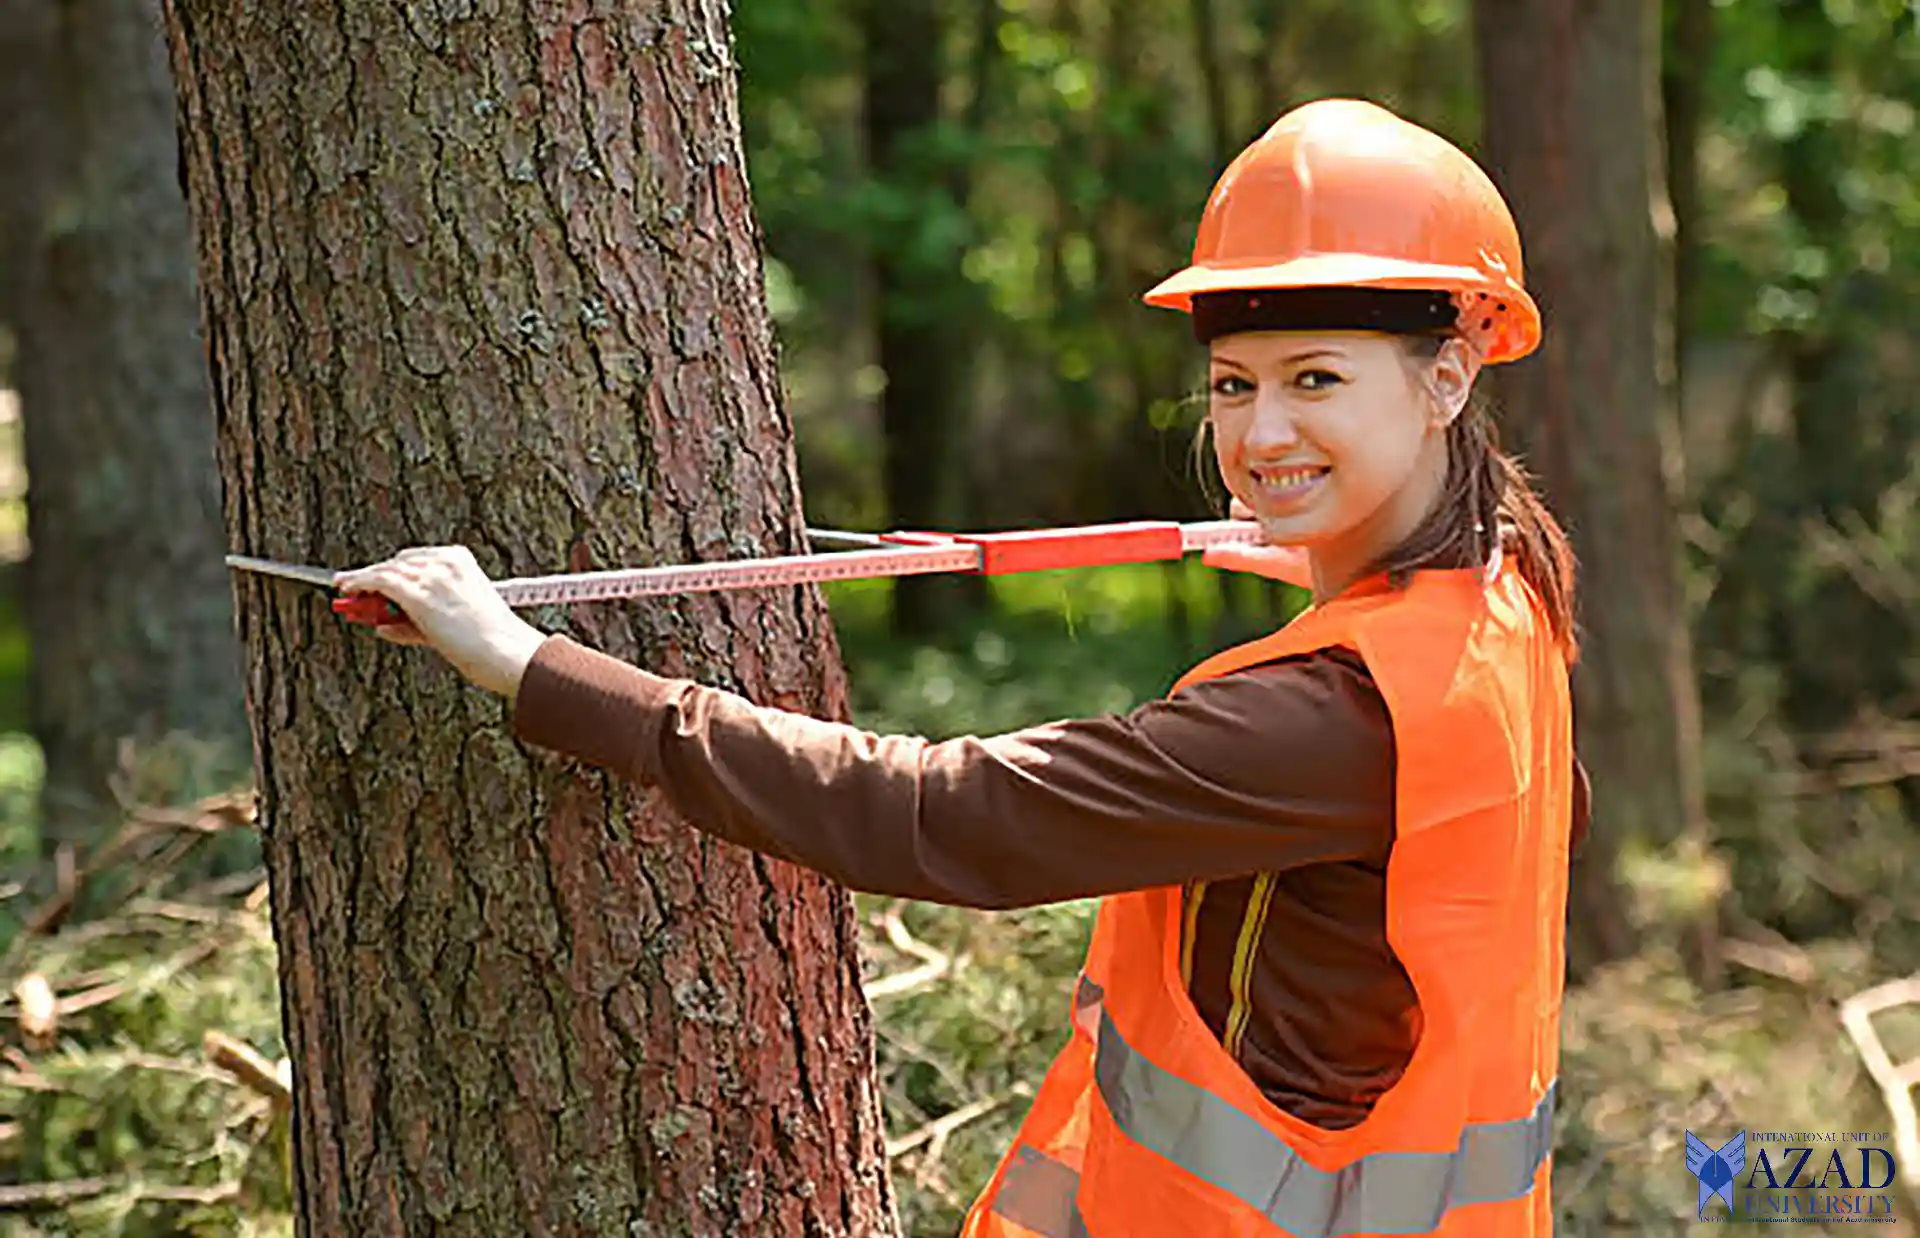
(1324, 988)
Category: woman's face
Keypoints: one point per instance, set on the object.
(1336, 441)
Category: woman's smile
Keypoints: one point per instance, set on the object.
(1282, 489)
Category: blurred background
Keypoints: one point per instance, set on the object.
(961, 202)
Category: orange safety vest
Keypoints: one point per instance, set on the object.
(1146, 1127)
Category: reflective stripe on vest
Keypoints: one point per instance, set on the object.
(1038, 1192)
(1382, 1193)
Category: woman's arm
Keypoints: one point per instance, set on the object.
(1268, 768)
(1273, 767)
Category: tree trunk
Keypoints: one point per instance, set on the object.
(488, 274)
(1572, 113)
(128, 605)
(1683, 96)
(925, 335)
(26, 38)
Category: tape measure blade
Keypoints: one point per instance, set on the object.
(1202, 534)
(777, 572)
(286, 571)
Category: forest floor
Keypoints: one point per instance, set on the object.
(152, 1099)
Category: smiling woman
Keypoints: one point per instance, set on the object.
(1376, 453)
(1323, 993)
(1333, 441)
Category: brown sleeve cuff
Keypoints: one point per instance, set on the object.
(599, 710)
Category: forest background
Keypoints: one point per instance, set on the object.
(960, 202)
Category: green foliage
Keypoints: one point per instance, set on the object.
(980, 1035)
(126, 1096)
(1059, 644)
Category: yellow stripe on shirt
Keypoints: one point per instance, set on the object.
(1189, 929)
(1252, 926)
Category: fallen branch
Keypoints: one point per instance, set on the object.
(934, 964)
(66, 888)
(28, 1081)
(209, 816)
(30, 998)
(238, 810)
(225, 1192)
(941, 1129)
(1896, 1081)
(247, 1065)
(1786, 961)
(86, 999)
(186, 913)
(221, 889)
(31, 1195)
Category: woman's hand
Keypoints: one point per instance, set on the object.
(1288, 564)
(453, 608)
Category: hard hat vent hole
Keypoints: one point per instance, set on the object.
(1485, 323)
(1501, 306)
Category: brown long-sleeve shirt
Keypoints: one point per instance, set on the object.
(1267, 792)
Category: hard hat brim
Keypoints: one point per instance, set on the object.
(1313, 271)
(1517, 337)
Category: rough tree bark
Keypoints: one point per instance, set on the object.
(127, 602)
(1572, 114)
(488, 274)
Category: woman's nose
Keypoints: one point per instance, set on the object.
(1273, 429)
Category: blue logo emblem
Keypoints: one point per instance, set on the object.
(1716, 1170)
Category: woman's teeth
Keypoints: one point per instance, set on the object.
(1289, 482)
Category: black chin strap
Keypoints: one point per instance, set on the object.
(1395, 311)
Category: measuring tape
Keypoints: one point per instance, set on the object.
(878, 555)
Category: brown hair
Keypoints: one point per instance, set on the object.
(1488, 494)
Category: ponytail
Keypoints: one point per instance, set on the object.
(1488, 495)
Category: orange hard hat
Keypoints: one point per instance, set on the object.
(1344, 195)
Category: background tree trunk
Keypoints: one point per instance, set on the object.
(128, 605)
(494, 279)
(1683, 91)
(925, 335)
(26, 39)
(1572, 112)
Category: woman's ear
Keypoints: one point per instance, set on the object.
(1451, 378)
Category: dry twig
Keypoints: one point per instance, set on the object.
(934, 964)
(31, 1195)
(247, 1065)
(209, 816)
(941, 1129)
(1896, 1081)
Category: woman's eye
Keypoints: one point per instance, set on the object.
(1231, 386)
(1316, 380)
